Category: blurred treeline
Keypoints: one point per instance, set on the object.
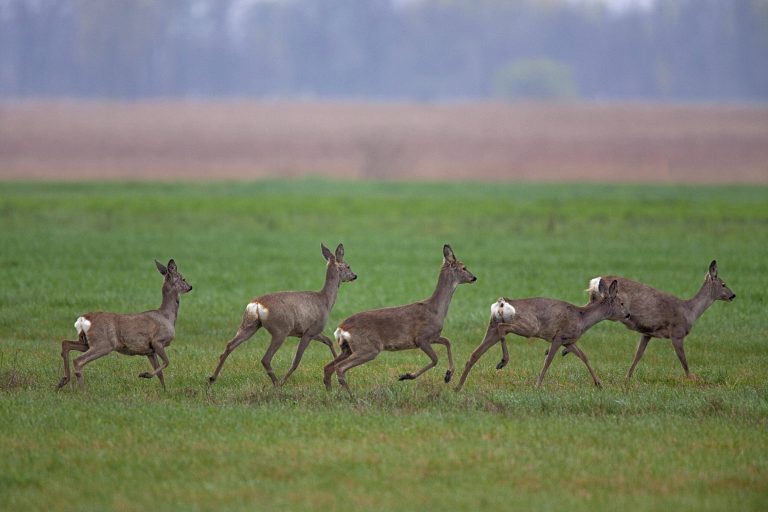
(384, 49)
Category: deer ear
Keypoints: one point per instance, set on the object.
(713, 268)
(614, 288)
(340, 252)
(601, 288)
(171, 265)
(448, 254)
(161, 268)
(326, 252)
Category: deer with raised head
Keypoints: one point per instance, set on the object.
(299, 314)
(556, 321)
(364, 335)
(146, 334)
(655, 314)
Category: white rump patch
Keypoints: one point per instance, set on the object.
(257, 310)
(82, 325)
(502, 310)
(341, 335)
(594, 286)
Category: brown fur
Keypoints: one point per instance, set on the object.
(144, 334)
(416, 325)
(299, 314)
(558, 322)
(656, 314)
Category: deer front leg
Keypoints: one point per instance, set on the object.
(159, 349)
(153, 361)
(427, 349)
(581, 355)
(445, 341)
(678, 344)
(638, 355)
(556, 343)
(326, 341)
(66, 346)
(492, 336)
(303, 343)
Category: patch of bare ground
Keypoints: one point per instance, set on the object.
(245, 140)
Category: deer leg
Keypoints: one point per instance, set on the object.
(354, 359)
(581, 355)
(504, 354)
(331, 367)
(157, 346)
(322, 338)
(93, 353)
(266, 361)
(427, 349)
(243, 334)
(550, 355)
(303, 343)
(444, 341)
(492, 337)
(638, 354)
(678, 344)
(66, 346)
(153, 361)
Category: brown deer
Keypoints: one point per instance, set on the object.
(364, 335)
(655, 314)
(299, 314)
(558, 322)
(146, 334)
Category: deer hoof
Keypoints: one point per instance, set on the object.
(546, 352)
(145, 375)
(565, 352)
(448, 376)
(406, 376)
(62, 382)
(501, 364)
(599, 385)
(211, 380)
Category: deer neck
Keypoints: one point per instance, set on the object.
(331, 287)
(592, 314)
(441, 297)
(170, 306)
(699, 303)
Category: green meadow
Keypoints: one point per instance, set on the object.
(661, 442)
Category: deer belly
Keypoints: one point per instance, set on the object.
(393, 345)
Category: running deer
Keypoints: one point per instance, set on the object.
(145, 334)
(299, 314)
(558, 322)
(655, 314)
(364, 335)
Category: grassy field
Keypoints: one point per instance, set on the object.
(659, 443)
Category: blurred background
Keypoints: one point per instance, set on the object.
(637, 90)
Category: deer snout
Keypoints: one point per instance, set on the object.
(473, 279)
(733, 296)
(354, 276)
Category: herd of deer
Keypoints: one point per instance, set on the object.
(361, 337)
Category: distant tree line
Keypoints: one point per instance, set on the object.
(385, 49)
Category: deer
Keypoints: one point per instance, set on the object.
(298, 314)
(560, 323)
(364, 335)
(656, 314)
(147, 334)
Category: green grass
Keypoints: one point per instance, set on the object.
(660, 443)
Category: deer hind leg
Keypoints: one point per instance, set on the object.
(66, 346)
(93, 353)
(492, 336)
(427, 349)
(451, 368)
(266, 361)
(244, 333)
(678, 344)
(355, 359)
(504, 354)
(644, 339)
(581, 355)
(331, 367)
(550, 355)
(153, 361)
